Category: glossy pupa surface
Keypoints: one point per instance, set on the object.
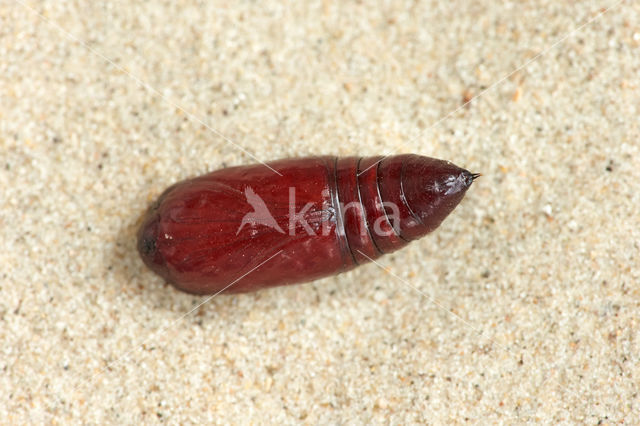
(245, 228)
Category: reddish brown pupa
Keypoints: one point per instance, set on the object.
(245, 228)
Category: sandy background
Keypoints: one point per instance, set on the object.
(529, 294)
